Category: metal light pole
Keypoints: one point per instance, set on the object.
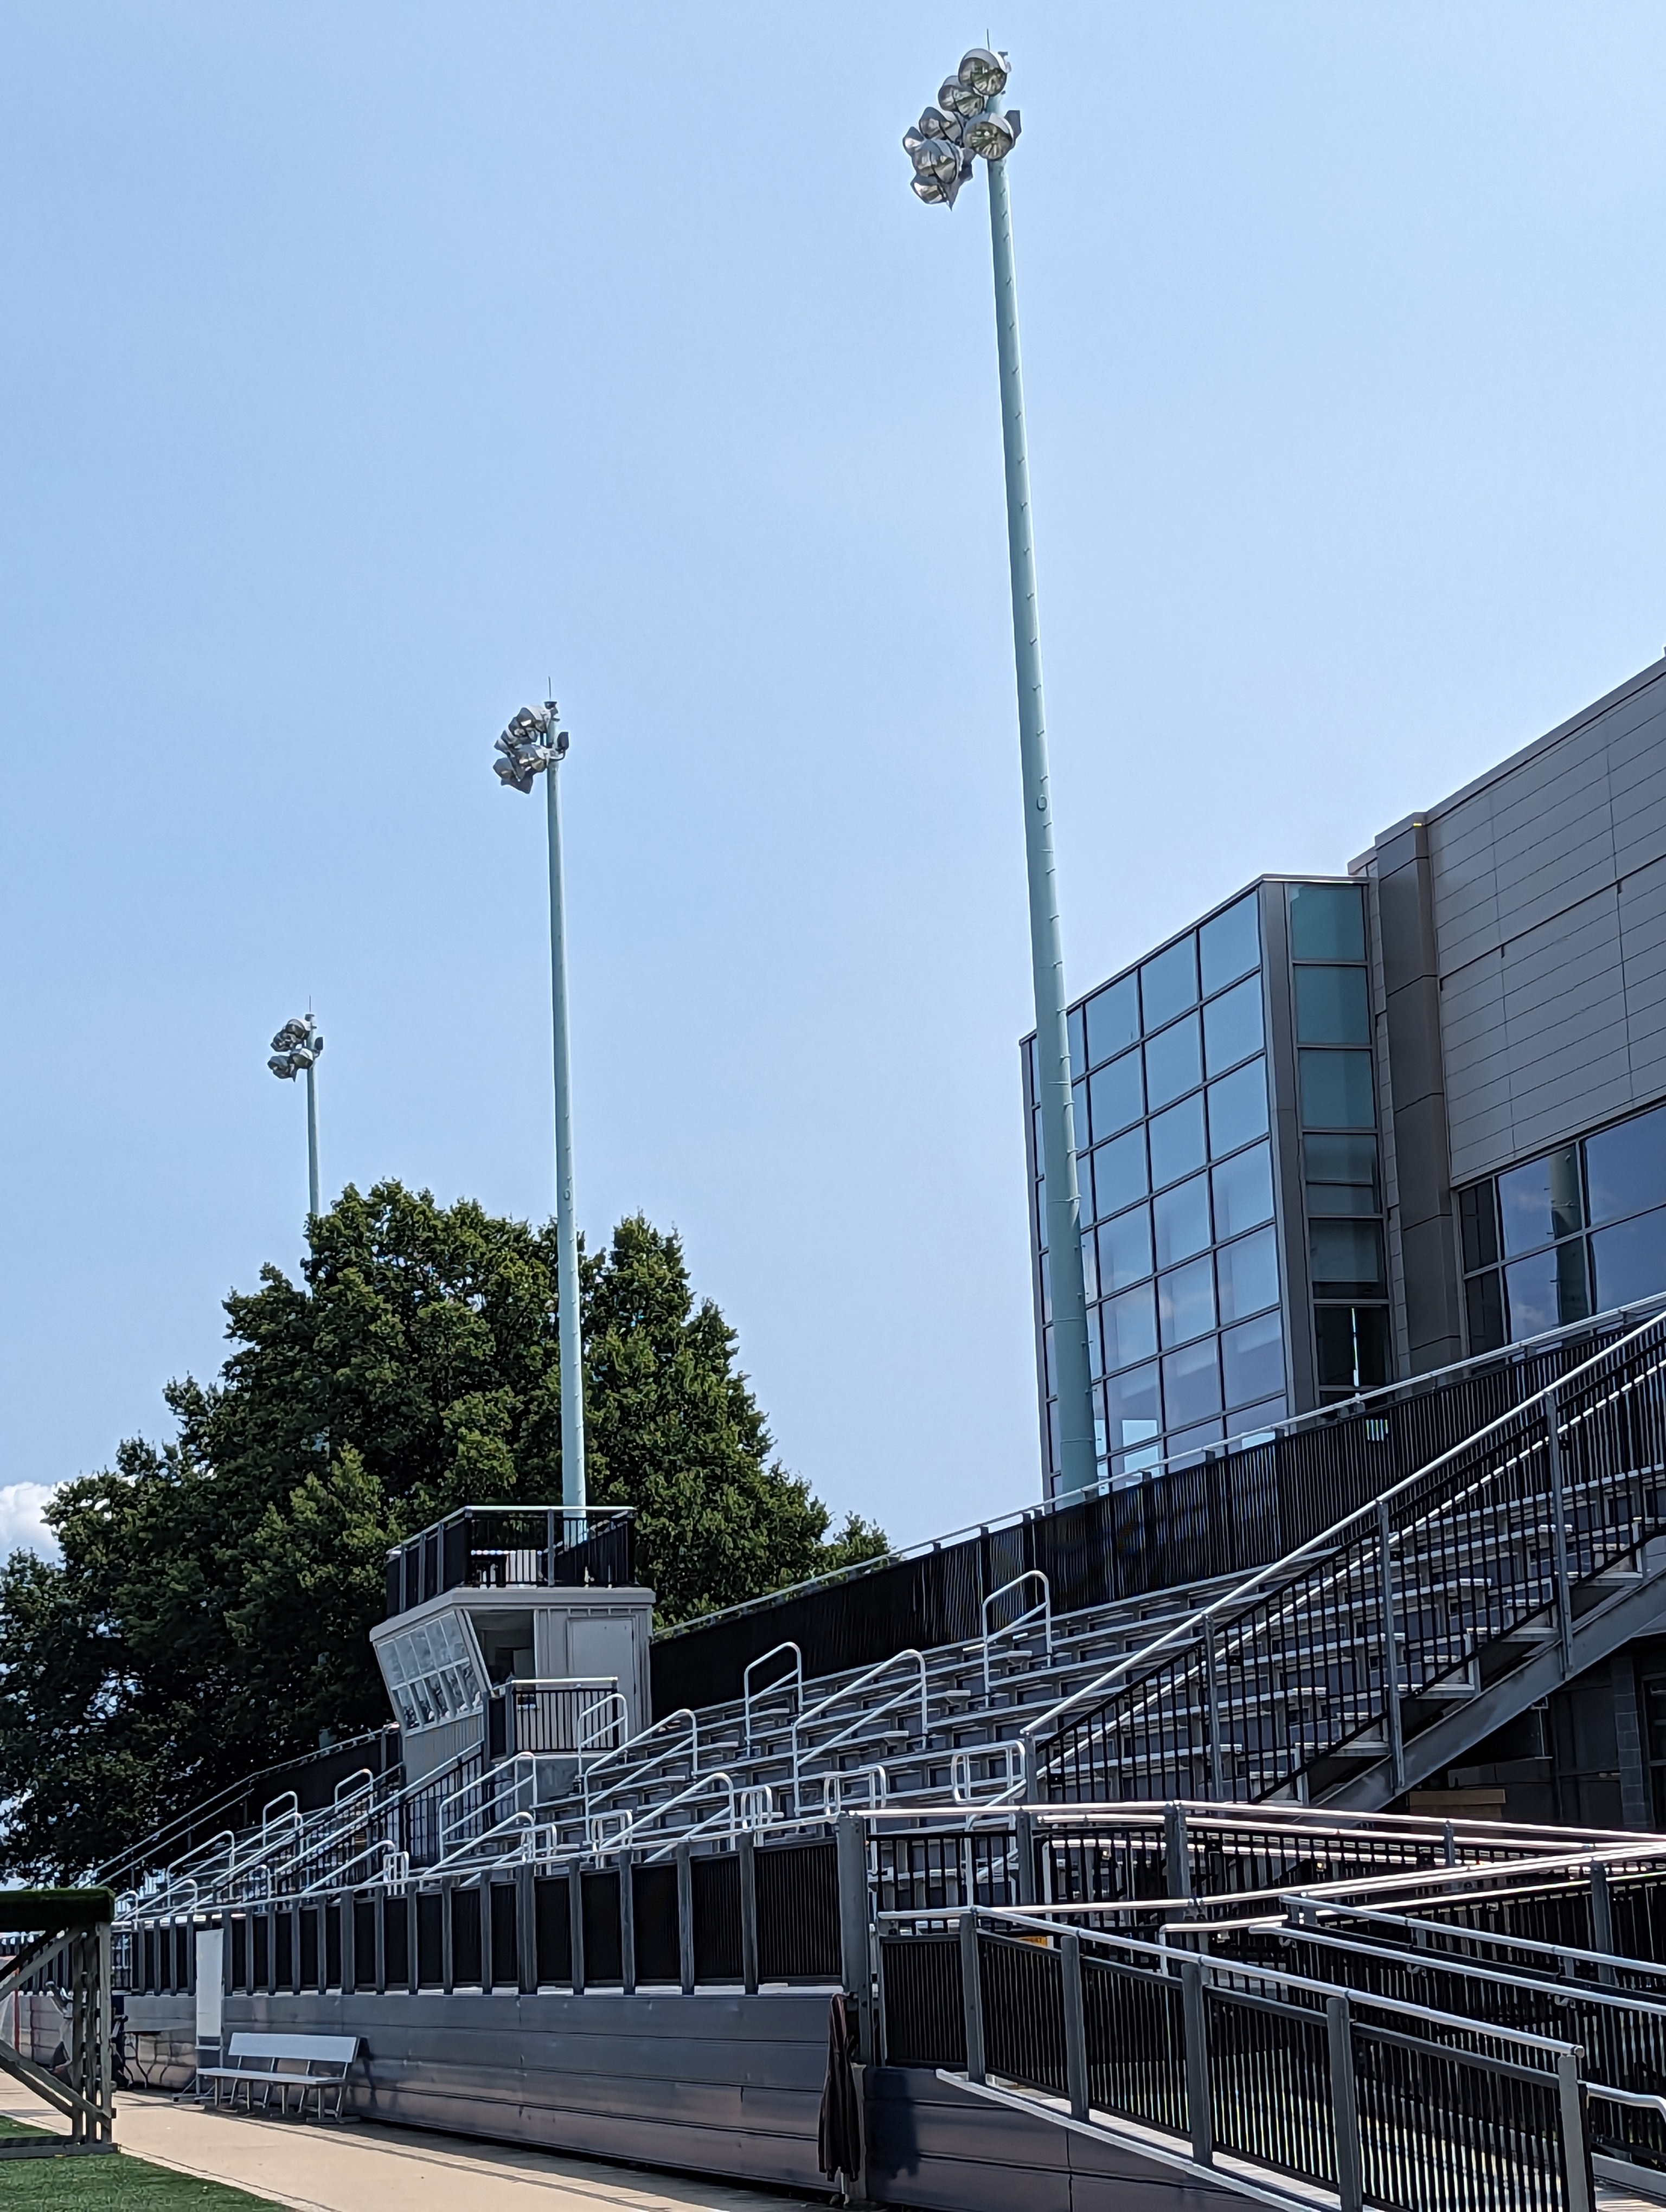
(969, 120)
(533, 746)
(295, 1050)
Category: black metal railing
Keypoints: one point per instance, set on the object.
(1336, 1645)
(512, 1547)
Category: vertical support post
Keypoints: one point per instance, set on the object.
(575, 1923)
(294, 1950)
(1200, 2108)
(1176, 1852)
(1345, 2106)
(350, 1942)
(1078, 1450)
(571, 1350)
(1559, 1533)
(1449, 1845)
(1212, 1693)
(1576, 2145)
(686, 1917)
(380, 1923)
(484, 1890)
(106, 2092)
(312, 1140)
(856, 1943)
(971, 1998)
(1024, 1839)
(746, 1851)
(447, 1954)
(1389, 1612)
(1075, 2026)
(628, 1923)
(1601, 1919)
(526, 1930)
(413, 1962)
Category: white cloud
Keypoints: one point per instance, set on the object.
(22, 1528)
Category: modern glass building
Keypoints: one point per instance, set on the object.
(1351, 1129)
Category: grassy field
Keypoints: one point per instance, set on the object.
(108, 2184)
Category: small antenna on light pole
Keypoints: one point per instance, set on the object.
(295, 1050)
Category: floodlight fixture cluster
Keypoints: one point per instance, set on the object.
(965, 124)
(530, 744)
(296, 1049)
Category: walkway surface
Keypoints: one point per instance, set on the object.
(362, 2167)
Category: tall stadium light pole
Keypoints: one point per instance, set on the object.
(969, 121)
(533, 747)
(295, 1050)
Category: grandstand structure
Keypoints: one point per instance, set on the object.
(1110, 1830)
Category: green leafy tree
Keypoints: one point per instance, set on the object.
(211, 1609)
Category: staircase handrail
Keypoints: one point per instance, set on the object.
(794, 1675)
(632, 1824)
(909, 1658)
(1189, 1630)
(633, 1772)
(991, 1637)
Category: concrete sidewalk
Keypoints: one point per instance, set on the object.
(364, 2168)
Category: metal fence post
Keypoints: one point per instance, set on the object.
(855, 1946)
(1212, 1693)
(1200, 2110)
(447, 1936)
(1601, 1919)
(1345, 2106)
(628, 1923)
(525, 1930)
(1558, 1532)
(971, 1997)
(685, 1918)
(1576, 2147)
(1391, 1644)
(1075, 2027)
(1176, 1855)
(746, 1851)
(349, 1953)
(1024, 1835)
(575, 1923)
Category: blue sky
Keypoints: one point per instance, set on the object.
(364, 368)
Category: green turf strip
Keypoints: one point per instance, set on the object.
(103, 2184)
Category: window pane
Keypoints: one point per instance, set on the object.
(1182, 1218)
(1327, 923)
(1238, 1108)
(1078, 1115)
(1484, 1298)
(1174, 1062)
(1336, 1090)
(1252, 1359)
(1252, 1421)
(1541, 1200)
(1130, 1328)
(1096, 1364)
(1247, 1273)
(1131, 1409)
(1184, 1447)
(1478, 1221)
(1116, 1094)
(1191, 1384)
(1124, 1249)
(1626, 1168)
(1090, 1269)
(1167, 985)
(1631, 1260)
(1119, 1173)
(1230, 946)
(1243, 1191)
(1186, 1301)
(1232, 1026)
(1341, 1174)
(1078, 1041)
(1548, 1290)
(1346, 1258)
(1113, 1019)
(1351, 1343)
(1331, 1007)
(1176, 1140)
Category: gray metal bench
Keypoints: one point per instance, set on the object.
(314, 2066)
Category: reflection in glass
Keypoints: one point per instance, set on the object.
(1186, 1301)
(1630, 1260)
(1252, 1424)
(1483, 1297)
(1119, 1173)
(1232, 1026)
(1626, 1168)
(1130, 1327)
(1248, 1275)
(1078, 1115)
(1176, 1140)
(1182, 1218)
(1346, 1259)
(1238, 1108)
(1131, 1407)
(1096, 1364)
(1090, 1268)
(1351, 1344)
(1327, 923)
(1124, 1249)
(1117, 1096)
(1078, 1041)
(1478, 1221)
(1113, 1019)
(1550, 1288)
(1230, 946)
(1341, 1174)
(1539, 1201)
(1191, 1384)
(1335, 1090)
(1174, 1062)
(1331, 1006)
(1252, 1359)
(1243, 1191)
(1185, 1447)
(1167, 984)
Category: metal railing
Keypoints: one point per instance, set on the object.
(583, 1715)
(1316, 1653)
(512, 1547)
(794, 1675)
(1042, 1610)
(909, 1662)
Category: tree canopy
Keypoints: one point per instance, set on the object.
(210, 1611)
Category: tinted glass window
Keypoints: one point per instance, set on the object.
(1078, 1115)
(1336, 1090)
(1341, 1174)
(1174, 1062)
(1191, 1383)
(1119, 1173)
(1077, 1045)
(1626, 1168)
(1327, 923)
(1130, 1327)
(1238, 1108)
(1124, 1248)
(1181, 1218)
(1232, 1026)
(1176, 1140)
(1478, 1221)
(1230, 946)
(1131, 1407)
(1331, 1006)
(1090, 1268)
(1541, 1200)
(1243, 1191)
(1550, 1288)
(1117, 1096)
(1630, 1260)
(1252, 1359)
(1252, 1421)
(1186, 1301)
(1346, 1257)
(1483, 1302)
(1113, 1019)
(1248, 1272)
(1352, 1345)
(1167, 985)
(1095, 1365)
(1185, 1447)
